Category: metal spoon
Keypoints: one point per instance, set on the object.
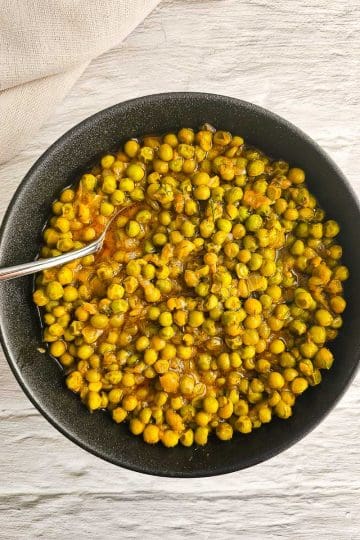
(32, 267)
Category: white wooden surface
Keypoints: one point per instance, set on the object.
(300, 59)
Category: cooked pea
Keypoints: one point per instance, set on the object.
(126, 184)
(214, 296)
(210, 405)
(170, 438)
(308, 349)
(107, 161)
(268, 268)
(252, 306)
(323, 317)
(331, 228)
(202, 193)
(54, 290)
(115, 291)
(109, 184)
(341, 273)
(119, 414)
(171, 139)
(277, 346)
(62, 224)
(243, 424)
(131, 148)
(303, 299)
(135, 172)
(133, 268)
(65, 275)
(84, 352)
(337, 304)
(299, 385)
(187, 438)
(276, 380)
(256, 167)
(106, 209)
(164, 217)
(224, 225)
(129, 402)
(296, 175)
(70, 293)
(186, 135)
(142, 343)
(159, 239)
(324, 358)
(88, 181)
(166, 152)
(283, 410)
(152, 294)
(132, 229)
(57, 348)
(224, 431)
(165, 318)
(253, 222)
(99, 321)
(93, 401)
(317, 334)
(117, 197)
(196, 318)
(188, 229)
(201, 435)
(151, 434)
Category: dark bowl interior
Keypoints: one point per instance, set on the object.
(40, 376)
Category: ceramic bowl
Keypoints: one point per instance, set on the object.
(40, 376)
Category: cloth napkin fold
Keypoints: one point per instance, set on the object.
(45, 45)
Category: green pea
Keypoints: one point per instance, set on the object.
(253, 222)
(119, 306)
(164, 285)
(206, 228)
(133, 229)
(204, 361)
(166, 152)
(148, 271)
(256, 167)
(165, 318)
(224, 225)
(202, 289)
(109, 184)
(54, 290)
(143, 216)
(164, 218)
(255, 262)
(133, 268)
(242, 270)
(106, 209)
(159, 239)
(188, 229)
(234, 195)
(135, 172)
(196, 318)
(118, 197)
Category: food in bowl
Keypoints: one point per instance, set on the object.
(210, 306)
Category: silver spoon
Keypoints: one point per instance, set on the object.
(32, 267)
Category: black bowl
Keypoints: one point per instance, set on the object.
(40, 376)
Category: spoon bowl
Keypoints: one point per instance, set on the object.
(24, 269)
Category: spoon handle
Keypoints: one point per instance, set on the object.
(32, 267)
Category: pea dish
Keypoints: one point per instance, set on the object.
(209, 309)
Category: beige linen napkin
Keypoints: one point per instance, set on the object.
(44, 47)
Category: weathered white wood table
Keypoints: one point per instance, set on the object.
(300, 59)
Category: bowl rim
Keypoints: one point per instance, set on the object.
(225, 469)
